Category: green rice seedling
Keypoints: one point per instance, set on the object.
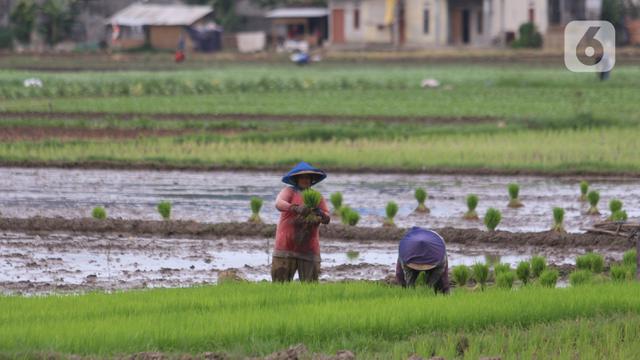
(619, 215)
(472, 203)
(590, 261)
(336, 202)
(480, 273)
(311, 198)
(164, 209)
(630, 258)
(99, 213)
(492, 219)
(619, 273)
(615, 205)
(594, 198)
(584, 189)
(349, 216)
(492, 259)
(500, 268)
(461, 275)
(421, 196)
(505, 279)
(558, 220)
(391, 210)
(538, 265)
(580, 277)
(256, 205)
(524, 271)
(514, 200)
(549, 278)
(353, 255)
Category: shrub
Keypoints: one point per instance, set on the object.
(590, 261)
(480, 274)
(256, 205)
(580, 277)
(538, 265)
(619, 273)
(22, 19)
(492, 218)
(472, 203)
(461, 274)
(421, 196)
(630, 258)
(529, 37)
(99, 213)
(336, 202)
(164, 209)
(500, 268)
(584, 189)
(391, 210)
(514, 191)
(594, 198)
(524, 271)
(6, 38)
(505, 279)
(549, 278)
(558, 219)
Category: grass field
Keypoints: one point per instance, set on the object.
(375, 321)
(539, 119)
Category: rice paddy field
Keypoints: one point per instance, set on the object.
(484, 123)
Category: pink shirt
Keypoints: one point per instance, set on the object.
(285, 245)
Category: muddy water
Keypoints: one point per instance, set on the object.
(224, 196)
(31, 264)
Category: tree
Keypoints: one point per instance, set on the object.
(22, 19)
(57, 19)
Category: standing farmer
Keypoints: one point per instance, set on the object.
(298, 248)
(423, 250)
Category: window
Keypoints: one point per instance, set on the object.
(356, 19)
(480, 21)
(426, 22)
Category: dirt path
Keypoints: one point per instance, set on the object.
(21, 133)
(434, 120)
(337, 232)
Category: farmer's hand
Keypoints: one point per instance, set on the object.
(300, 210)
(324, 218)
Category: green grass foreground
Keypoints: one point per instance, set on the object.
(612, 150)
(374, 321)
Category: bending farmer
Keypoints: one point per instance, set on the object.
(297, 246)
(423, 250)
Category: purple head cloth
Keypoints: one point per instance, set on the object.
(421, 246)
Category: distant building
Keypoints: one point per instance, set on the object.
(302, 25)
(159, 26)
(433, 23)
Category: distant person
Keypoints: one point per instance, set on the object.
(179, 56)
(420, 251)
(298, 249)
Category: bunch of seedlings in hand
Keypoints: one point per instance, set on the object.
(256, 205)
(514, 193)
(391, 210)
(421, 197)
(472, 203)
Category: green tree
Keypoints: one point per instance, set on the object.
(58, 17)
(22, 19)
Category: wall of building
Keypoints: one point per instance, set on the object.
(167, 37)
(415, 18)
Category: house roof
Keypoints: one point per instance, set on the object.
(283, 13)
(154, 14)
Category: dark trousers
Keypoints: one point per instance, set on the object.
(283, 269)
(436, 278)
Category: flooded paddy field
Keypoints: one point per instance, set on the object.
(60, 262)
(223, 196)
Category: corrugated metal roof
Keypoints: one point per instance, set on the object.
(154, 14)
(297, 13)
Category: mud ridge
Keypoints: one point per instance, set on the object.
(337, 232)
